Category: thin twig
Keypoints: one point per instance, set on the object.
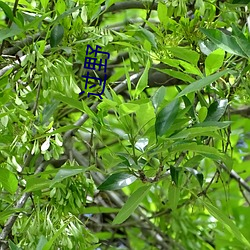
(148, 14)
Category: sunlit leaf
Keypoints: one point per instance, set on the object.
(8, 180)
(185, 54)
(214, 61)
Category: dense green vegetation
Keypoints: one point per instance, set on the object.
(161, 161)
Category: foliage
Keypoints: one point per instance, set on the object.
(161, 162)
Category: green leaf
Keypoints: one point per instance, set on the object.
(174, 172)
(117, 181)
(9, 32)
(186, 54)
(98, 210)
(13, 246)
(70, 101)
(143, 81)
(44, 3)
(7, 10)
(173, 196)
(49, 110)
(56, 35)
(41, 243)
(202, 114)
(198, 175)
(49, 244)
(244, 45)
(9, 211)
(166, 117)
(132, 203)
(214, 61)
(204, 150)
(158, 97)
(194, 161)
(245, 2)
(197, 85)
(193, 132)
(227, 223)
(219, 125)
(128, 108)
(216, 110)
(56, 131)
(66, 172)
(147, 35)
(177, 74)
(223, 41)
(8, 180)
(34, 183)
(162, 11)
(68, 12)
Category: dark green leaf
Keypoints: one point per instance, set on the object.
(245, 2)
(198, 175)
(117, 181)
(158, 97)
(174, 172)
(147, 35)
(7, 10)
(64, 173)
(56, 35)
(219, 125)
(223, 41)
(216, 110)
(166, 117)
(13, 31)
(132, 203)
(207, 46)
(13, 246)
(194, 161)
